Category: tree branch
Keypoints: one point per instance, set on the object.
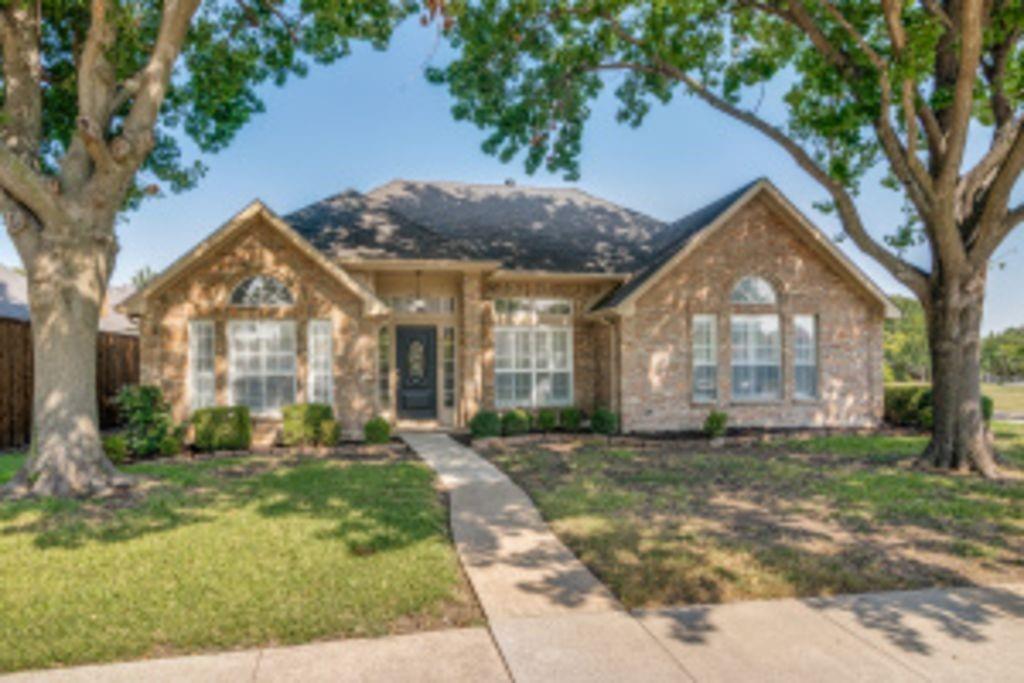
(995, 222)
(959, 119)
(28, 188)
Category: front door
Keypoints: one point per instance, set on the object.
(417, 372)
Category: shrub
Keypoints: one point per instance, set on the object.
(377, 430)
(146, 417)
(515, 422)
(604, 421)
(301, 423)
(714, 424)
(547, 420)
(116, 448)
(222, 429)
(571, 419)
(330, 432)
(485, 424)
(171, 444)
(910, 405)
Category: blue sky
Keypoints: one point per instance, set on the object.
(372, 117)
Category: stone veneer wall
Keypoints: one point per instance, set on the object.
(203, 293)
(655, 342)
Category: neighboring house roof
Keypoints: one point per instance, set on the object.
(14, 302)
(133, 304)
(525, 228)
(684, 235)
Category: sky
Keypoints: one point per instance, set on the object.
(372, 117)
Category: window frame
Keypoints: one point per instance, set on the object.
(815, 357)
(751, 360)
(263, 374)
(290, 301)
(532, 368)
(712, 345)
(311, 371)
(193, 373)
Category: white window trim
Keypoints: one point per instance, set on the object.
(815, 362)
(570, 367)
(763, 398)
(190, 388)
(713, 363)
(310, 371)
(231, 365)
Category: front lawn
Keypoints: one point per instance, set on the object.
(1008, 398)
(228, 553)
(675, 522)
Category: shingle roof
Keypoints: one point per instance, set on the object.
(674, 238)
(14, 302)
(525, 228)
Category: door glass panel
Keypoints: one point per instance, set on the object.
(417, 360)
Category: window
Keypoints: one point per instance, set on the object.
(412, 304)
(384, 367)
(449, 367)
(756, 351)
(262, 364)
(321, 362)
(805, 356)
(533, 311)
(261, 290)
(533, 366)
(705, 359)
(753, 290)
(202, 385)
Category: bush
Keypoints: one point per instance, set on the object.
(571, 419)
(604, 421)
(116, 448)
(485, 424)
(714, 425)
(910, 405)
(515, 422)
(146, 417)
(301, 423)
(330, 432)
(547, 420)
(172, 444)
(222, 429)
(377, 430)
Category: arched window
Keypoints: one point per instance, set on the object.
(753, 290)
(261, 290)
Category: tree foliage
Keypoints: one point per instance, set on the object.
(907, 358)
(1002, 354)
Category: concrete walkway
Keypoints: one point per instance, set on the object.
(553, 620)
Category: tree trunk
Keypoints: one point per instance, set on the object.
(66, 293)
(959, 433)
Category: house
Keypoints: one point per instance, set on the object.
(426, 302)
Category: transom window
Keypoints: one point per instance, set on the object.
(261, 364)
(756, 358)
(261, 290)
(416, 304)
(753, 290)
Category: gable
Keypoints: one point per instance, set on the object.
(258, 232)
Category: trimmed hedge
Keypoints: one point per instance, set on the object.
(147, 420)
(330, 432)
(515, 422)
(571, 419)
(377, 430)
(302, 422)
(116, 448)
(547, 420)
(604, 421)
(485, 424)
(910, 405)
(222, 429)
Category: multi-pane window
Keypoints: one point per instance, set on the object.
(321, 355)
(261, 290)
(384, 367)
(705, 359)
(533, 366)
(756, 358)
(202, 386)
(261, 355)
(753, 290)
(448, 350)
(805, 356)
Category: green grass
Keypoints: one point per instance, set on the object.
(225, 554)
(672, 522)
(1008, 398)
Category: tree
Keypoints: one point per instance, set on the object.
(96, 97)
(906, 342)
(142, 276)
(1002, 354)
(898, 85)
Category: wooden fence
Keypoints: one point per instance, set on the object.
(117, 364)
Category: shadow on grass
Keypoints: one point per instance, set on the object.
(376, 507)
